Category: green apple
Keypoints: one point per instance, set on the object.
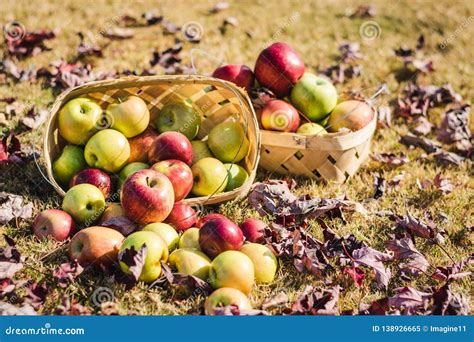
(130, 169)
(107, 150)
(311, 128)
(232, 269)
(70, 162)
(226, 296)
(210, 177)
(166, 232)
(190, 261)
(228, 142)
(156, 252)
(79, 119)
(264, 262)
(179, 117)
(315, 96)
(84, 202)
(190, 239)
(129, 116)
(237, 176)
(200, 150)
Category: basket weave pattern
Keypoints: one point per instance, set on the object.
(215, 100)
(333, 156)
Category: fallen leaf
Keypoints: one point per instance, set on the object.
(445, 302)
(261, 96)
(275, 301)
(316, 302)
(67, 272)
(455, 128)
(453, 272)
(152, 18)
(34, 118)
(219, 7)
(369, 257)
(29, 43)
(84, 49)
(443, 184)
(121, 224)
(118, 33)
(404, 249)
(135, 260)
(363, 11)
(70, 306)
(409, 300)
(446, 158)
(14, 206)
(422, 125)
(356, 274)
(380, 185)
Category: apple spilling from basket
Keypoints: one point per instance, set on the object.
(307, 104)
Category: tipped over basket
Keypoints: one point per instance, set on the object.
(215, 100)
(332, 156)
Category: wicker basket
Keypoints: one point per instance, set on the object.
(333, 156)
(215, 100)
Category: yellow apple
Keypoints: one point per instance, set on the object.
(107, 150)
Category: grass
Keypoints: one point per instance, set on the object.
(315, 29)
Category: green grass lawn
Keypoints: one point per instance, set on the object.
(315, 29)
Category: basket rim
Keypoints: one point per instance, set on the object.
(130, 81)
(317, 142)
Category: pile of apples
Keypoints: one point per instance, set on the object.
(306, 104)
(151, 197)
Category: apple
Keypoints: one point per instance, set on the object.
(84, 202)
(311, 128)
(208, 217)
(237, 176)
(200, 150)
(182, 216)
(219, 235)
(179, 174)
(239, 74)
(314, 96)
(352, 115)
(179, 117)
(95, 177)
(228, 142)
(130, 169)
(113, 210)
(226, 296)
(54, 223)
(253, 230)
(232, 269)
(114, 217)
(79, 120)
(95, 245)
(191, 262)
(140, 144)
(210, 177)
(70, 162)
(166, 232)
(279, 115)
(278, 68)
(264, 262)
(130, 115)
(156, 252)
(190, 238)
(107, 150)
(171, 145)
(147, 196)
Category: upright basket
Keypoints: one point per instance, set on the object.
(215, 100)
(332, 156)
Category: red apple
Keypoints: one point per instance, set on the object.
(171, 145)
(96, 177)
(278, 68)
(147, 196)
(140, 144)
(182, 216)
(239, 74)
(352, 115)
(219, 235)
(279, 115)
(253, 230)
(208, 217)
(179, 174)
(55, 223)
(95, 245)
